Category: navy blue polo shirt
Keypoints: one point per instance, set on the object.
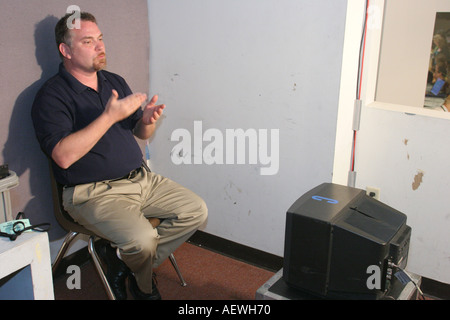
(64, 105)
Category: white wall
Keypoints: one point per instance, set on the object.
(271, 64)
(253, 64)
(404, 155)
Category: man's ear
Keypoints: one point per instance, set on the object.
(65, 51)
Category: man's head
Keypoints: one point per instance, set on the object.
(80, 45)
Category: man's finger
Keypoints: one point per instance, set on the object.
(114, 95)
(153, 101)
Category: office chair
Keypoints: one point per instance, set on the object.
(74, 229)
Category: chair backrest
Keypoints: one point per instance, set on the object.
(63, 218)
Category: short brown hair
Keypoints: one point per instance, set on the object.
(62, 31)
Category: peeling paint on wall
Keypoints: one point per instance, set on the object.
(417, 179)
(405, 142)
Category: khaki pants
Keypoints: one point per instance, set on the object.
(118, 211)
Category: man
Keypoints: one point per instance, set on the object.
(85, 120)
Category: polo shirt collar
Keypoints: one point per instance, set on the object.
(76, 85)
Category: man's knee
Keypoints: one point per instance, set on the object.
(196, 210)
(142, 243)
(203, 211)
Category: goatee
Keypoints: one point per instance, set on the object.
(100, 62)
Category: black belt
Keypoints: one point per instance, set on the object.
(132, 174)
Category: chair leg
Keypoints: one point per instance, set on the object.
(62, 251)
(175, 265)
(98, 267)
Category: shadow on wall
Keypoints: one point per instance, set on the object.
(22, 149)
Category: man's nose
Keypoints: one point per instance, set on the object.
(99, 46)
